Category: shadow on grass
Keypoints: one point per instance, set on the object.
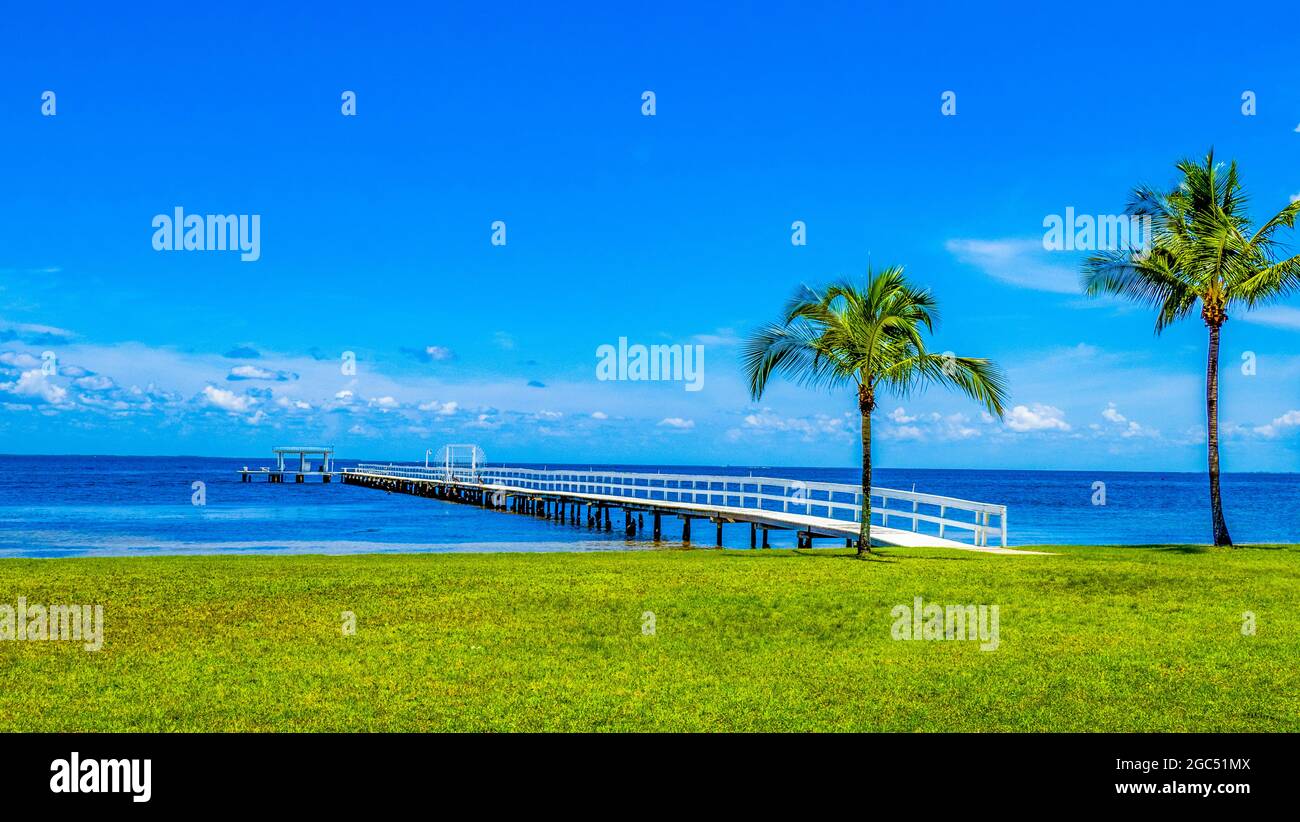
(804, 553)
(1211, 549)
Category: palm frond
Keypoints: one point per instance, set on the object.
(870, 334)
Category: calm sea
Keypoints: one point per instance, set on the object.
(79, 506)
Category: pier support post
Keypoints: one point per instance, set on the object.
(608, 526)
(753, 535)
(686, 530)
(765, 533)
(719, 533)
(658, 526)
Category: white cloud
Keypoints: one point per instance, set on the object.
(1290, 419)
(19, 359)
(34, 384)
(599, 415)
(1022, 263)
(1128, 428)
(1036, 417)
(253, 372)
(445, 409)
(809, 428)
(227, 400)
(93, 383)
(932, 426)
(677, 423)
(900, 416)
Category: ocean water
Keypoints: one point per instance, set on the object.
(81, 506)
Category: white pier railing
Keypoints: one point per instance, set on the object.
(832, 500)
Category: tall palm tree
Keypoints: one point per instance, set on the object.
(868, 337)
(1202, 251)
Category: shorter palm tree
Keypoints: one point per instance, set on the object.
(868, 337)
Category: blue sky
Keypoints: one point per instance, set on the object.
(375, 229)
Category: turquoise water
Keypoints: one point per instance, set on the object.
(77, 506)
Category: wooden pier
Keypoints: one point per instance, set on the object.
(813, 510)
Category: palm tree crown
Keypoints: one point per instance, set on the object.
(1202, 250)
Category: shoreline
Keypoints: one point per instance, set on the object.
(1043, 549)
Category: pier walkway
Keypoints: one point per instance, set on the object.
(814, 510)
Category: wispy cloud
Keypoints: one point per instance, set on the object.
(33, 334)
(1019, 262)
(253, 372)
(721, 337)
(1275, 316)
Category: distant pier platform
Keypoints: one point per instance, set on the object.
(304, 468)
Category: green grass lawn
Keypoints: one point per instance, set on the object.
(1092, 639)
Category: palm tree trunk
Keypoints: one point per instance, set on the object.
(1212, 427)
(866, 403)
